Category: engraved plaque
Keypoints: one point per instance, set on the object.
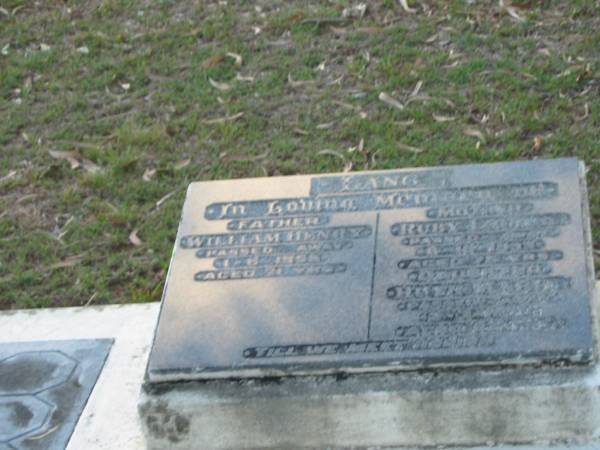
(385, 270)
(44, 387)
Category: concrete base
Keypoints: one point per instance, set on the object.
(109, 420)
(534, 407)
(466, 408)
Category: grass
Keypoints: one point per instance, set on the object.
(126, 85)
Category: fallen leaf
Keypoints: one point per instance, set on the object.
(8, 176)
(300, 131)
(544, 51)
(240, 77)
(511, 11)
(83, 50)
(181, 164)
(75, 160)
(295, 17)
(440, 118)
(410, 148)
(224, 119)
(125, 86)
(450, 66)
(212, 61)
(417, 88)
(91, 299)
(298, 83)
(355, 12)
(586, 113)
(330, 152)
(45, 47)
(4, 50)
(134, 239)
(219, 86)
(67, 262)
(473, 132)
(391, 101)
(537, 142)
(338, 30)
(149, 174)
(89, 165)
(431, 39)
(408, 9)
(241, 158)
(325, 126)
(71, 157)
(427, 98)
(338, 80)
(238, 58)
(163, 199)
(346, 105)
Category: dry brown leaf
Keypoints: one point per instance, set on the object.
(408, 9)
(134, 239)
(71, 157)
(537, 142)
(149, 174)
(224, 119)
(300, 131)
(410, 148)
(391, 101)
(67, 262)
(181, 164)
(220, 86)
(440, 118)
(212, 61)
(474, 132)
(238, 58)
(75, 160)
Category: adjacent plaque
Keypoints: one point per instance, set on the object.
(474, 264)
(44, 387)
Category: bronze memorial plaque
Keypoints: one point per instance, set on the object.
(383, 270)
